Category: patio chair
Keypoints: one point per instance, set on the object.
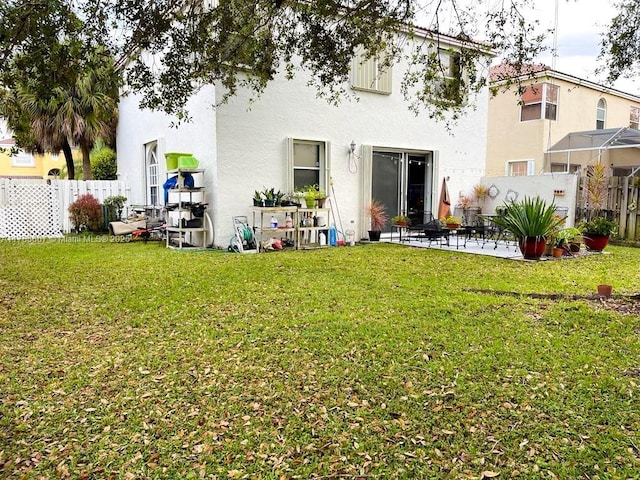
(431, 231)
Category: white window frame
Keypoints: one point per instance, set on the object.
(324, 162)
(371, 74)
(23, 160)
(543, 102)
(447, 58)
(634, 117)
(508, 167)
(154, 193)
(601, 114)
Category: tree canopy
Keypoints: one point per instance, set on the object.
(167, 49)
(621, 44)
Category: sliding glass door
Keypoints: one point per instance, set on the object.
(403, 183)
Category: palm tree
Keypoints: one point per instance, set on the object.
(43, 133)
(76, 111)
(86, 112)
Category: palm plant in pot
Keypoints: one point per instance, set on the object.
(597, 229)
(378, 217)
(530, 221)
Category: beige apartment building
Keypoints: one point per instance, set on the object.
(553, 122)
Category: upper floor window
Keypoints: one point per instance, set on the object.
(601, 114)
(450, 88)
(23, 159)
(539, 101)
(634, 117)
(373, 74)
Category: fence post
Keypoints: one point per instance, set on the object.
(624, 202)
(633, 216)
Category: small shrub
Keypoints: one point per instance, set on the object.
(86, 213)
(114, 205)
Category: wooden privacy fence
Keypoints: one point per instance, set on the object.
(40, 208)
(622, 205)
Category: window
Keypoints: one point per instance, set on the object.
(152, 171)
(539, 98)
(562, 168)
(23, 159)
(450, 90)
(601, 114)
(519, 168)
(634, 118)
(372, 74)
(308, 164)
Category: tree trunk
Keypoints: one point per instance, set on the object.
(86, 161)
(68, 156)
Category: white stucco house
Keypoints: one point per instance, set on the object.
(289, 136)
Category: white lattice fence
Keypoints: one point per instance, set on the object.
(30, 210)
(40, 208)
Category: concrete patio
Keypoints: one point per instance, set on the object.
(500, 249)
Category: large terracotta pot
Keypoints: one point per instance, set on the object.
(595, 241)
(532, 248)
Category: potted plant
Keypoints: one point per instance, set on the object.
(596, 233)
(567, 238)
(278, 198)
(269, 197)
(452, 221)
(530, 221)
(257, 198)
(378, 217)
(310, 193)
(321, 197)
(114, 205)
(400, 220)
(480, 192)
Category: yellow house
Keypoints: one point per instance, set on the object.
(26, 165)
(525, 123)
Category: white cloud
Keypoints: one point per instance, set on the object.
(581, 24)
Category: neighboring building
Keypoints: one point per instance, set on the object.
(27, 165)
(523, 127)
(289, 137)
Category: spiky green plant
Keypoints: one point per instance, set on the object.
(531, 217)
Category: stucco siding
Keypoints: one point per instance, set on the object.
(243, 144)
(511, 139)
(252, 143)
(139, 127)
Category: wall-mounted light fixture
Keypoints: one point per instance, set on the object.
(352, 146)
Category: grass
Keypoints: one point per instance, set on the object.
(132, 361)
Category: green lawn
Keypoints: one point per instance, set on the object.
(131, 361)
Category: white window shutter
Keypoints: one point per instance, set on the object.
(530, 167)
(327, 167)
(367, 172)
(289, 164)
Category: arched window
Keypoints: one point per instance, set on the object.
(601, 114)
(152, 172)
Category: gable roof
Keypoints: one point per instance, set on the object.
(506, 72)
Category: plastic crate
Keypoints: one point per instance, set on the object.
(187, 161)
(172, 159)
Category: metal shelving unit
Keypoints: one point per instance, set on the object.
(186, 197)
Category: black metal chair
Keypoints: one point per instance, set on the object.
(431, 231)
